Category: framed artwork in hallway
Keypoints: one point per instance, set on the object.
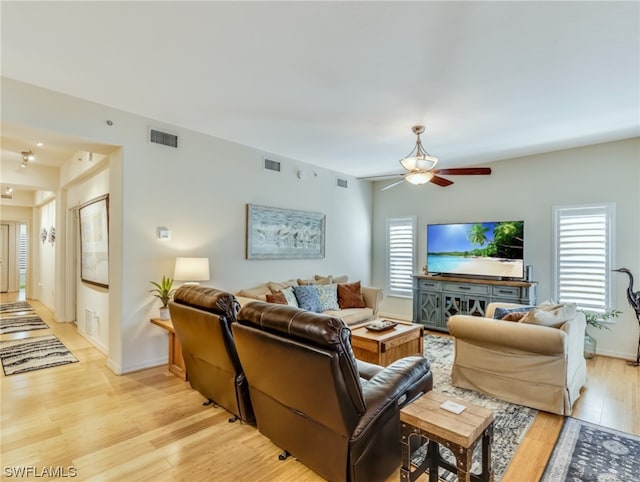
(94, 241)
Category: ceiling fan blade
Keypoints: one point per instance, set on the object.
(482, 171)
(393, 184)
(381, 177)
(441, 181)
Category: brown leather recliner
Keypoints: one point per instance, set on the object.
(312, 398)
(202, 319)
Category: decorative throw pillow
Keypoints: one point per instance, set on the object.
(308, 298)
(551, 315)
(290, 296)
(306, 282)
(500, 312)
(328, 295)
(258, 293)
(340, 279)
(350, 296)
(323, 280)
(279, 286)
(514, 316)
(277, 298)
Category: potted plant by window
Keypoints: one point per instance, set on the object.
(163, 291)
(596, 320)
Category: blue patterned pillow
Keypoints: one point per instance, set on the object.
(328, 295)
(308, 298)
(501, 312)
(290, 296)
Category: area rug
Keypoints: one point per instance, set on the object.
(510, 424)
(15, 306)
(585, 451)
(22, 323)
(35, 353)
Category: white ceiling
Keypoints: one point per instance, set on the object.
(339, 84)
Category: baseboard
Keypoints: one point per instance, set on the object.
(97, 344)
(393, 316)
(617, 354)
(163, 361)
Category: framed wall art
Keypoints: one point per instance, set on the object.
(94, 241)
(274, 233)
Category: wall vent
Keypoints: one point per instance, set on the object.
(163, 138)
(270, 165)
(7, 196)
(88, 321)
(342, 183)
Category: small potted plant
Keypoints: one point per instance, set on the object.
(596, 320)
(163, 291)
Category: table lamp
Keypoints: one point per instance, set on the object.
(191, 270)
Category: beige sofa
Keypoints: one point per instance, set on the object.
(351, 316)
(537, 366)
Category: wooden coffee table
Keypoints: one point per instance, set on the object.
(385, 347)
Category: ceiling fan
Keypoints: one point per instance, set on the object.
(420, 165)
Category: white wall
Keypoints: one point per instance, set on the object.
(200, 192)
(527, 188)
(88, 296)
(46, 261)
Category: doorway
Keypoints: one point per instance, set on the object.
(4, 258)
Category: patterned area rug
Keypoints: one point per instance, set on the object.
(586, 451)
(22, 323)
(511, 421)
(15, 307)
(35, 353)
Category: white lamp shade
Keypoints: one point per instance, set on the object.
(191, 269)
(419, 177)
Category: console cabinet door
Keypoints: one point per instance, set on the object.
(429, 309)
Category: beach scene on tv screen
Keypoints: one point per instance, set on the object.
(482, 249)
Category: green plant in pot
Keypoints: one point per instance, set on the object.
(163, 291)
(596, 320)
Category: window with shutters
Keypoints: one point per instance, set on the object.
(583, 240)
(401, 244)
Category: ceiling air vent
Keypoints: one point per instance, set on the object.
(341, 183)
(159, 137)
(270, 165)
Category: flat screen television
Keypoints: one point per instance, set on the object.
(483, 249)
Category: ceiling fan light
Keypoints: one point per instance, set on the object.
(419, 177)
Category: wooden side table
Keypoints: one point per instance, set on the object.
(176, 362)
(460, 433)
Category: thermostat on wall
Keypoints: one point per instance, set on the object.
(163, 233)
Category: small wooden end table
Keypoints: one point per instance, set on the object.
(385, 347)
(460, 433)
(176, 362)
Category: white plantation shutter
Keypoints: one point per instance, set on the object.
(401, 240)
(583, 250)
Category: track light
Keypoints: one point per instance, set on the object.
(9, 190)
(27, 157)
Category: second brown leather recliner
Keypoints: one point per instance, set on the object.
(312, 398)
(202, 319)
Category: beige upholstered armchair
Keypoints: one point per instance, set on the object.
(537, 366)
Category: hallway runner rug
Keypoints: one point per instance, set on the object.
(587, 451)
(15, 306)
(22, 323)
(36, 353)
(510, 423)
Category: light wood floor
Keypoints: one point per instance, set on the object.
(149, 425)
